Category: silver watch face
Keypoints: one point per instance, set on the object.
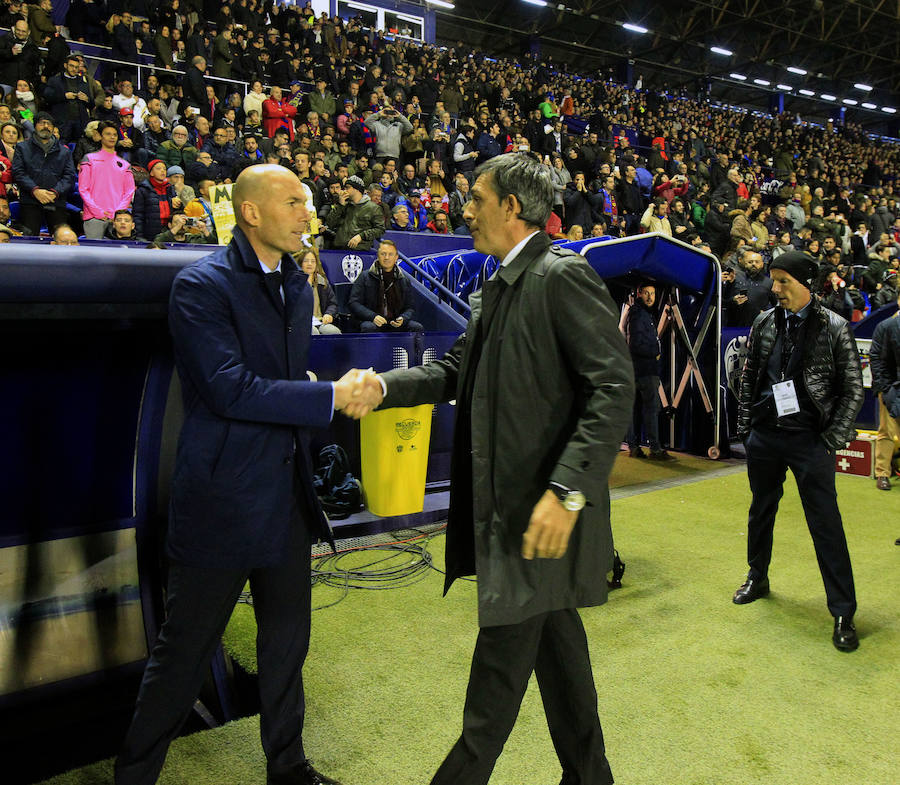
(574, 501)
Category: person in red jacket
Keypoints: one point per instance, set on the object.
(278, 114)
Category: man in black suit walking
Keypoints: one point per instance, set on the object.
(543, 384)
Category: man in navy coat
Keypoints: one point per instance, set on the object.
(243, 505)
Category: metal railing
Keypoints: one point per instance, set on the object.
(441, 291)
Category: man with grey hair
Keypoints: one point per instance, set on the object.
(529, 508)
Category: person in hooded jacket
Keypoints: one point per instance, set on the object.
(355, 220)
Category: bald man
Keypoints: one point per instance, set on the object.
(243, 505)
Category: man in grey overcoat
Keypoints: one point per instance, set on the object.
(543, 386)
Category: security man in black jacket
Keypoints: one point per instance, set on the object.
(801, 390)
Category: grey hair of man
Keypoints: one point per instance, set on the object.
(526, 179)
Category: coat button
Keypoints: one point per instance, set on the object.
(288, 459)
(290, 328)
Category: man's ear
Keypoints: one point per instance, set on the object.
(250, 213)
(513, 205)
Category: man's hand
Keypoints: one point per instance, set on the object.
(44, 195)
(398, 322)
(327, 318)
(348, 388)
(740, 299)
(379, 321)
(357, 393)
(354, 241)
(551, 524)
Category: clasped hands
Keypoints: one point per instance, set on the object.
(357, 393)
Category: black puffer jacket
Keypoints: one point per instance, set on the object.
(831, 372)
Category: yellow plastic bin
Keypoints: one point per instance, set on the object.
(394, 456)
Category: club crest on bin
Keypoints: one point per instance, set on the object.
(406, 429)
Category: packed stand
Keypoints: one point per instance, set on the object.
(386, 134)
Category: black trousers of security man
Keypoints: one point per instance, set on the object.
(770, 453)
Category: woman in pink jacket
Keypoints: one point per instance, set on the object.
(105, 183)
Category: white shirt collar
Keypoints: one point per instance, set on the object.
(516, 249)
(267, 270)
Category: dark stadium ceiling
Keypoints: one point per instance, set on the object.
(838, 43)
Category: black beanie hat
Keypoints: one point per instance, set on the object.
(798, 265)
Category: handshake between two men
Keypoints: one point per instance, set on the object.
(357, 393)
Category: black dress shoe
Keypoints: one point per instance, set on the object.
(636, 452)
(660, 455)
(751, 589)
(844, 637)
(304, 774)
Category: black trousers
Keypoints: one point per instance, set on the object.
(198, 607)
(33, 215)
(770, 453)
(552, 645)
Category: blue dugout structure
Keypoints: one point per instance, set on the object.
(689, 284)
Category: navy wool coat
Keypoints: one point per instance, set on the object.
(247, 403)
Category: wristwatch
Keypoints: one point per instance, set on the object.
(571, 499)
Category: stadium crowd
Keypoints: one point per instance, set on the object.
(386, 134)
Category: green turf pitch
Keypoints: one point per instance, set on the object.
(693, 689)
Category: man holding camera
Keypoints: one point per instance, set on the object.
(183, 229)
(389, 126)
(801, 390)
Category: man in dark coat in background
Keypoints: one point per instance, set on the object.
(643, 343)
(243, 505)
(525, 465)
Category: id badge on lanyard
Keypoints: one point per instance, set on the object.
(786, 401)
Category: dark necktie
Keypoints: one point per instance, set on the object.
(274, 282)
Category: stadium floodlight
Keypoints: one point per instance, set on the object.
(827, 97)
(867, 105)
(441, 4)
(804, 91)
(794, 70)
(861, 86)
(850, 102)
(763, 82)
(635, 28)
(721, 51)
(888, 109)
(542, 3)
(739, 77)
(786, 87)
